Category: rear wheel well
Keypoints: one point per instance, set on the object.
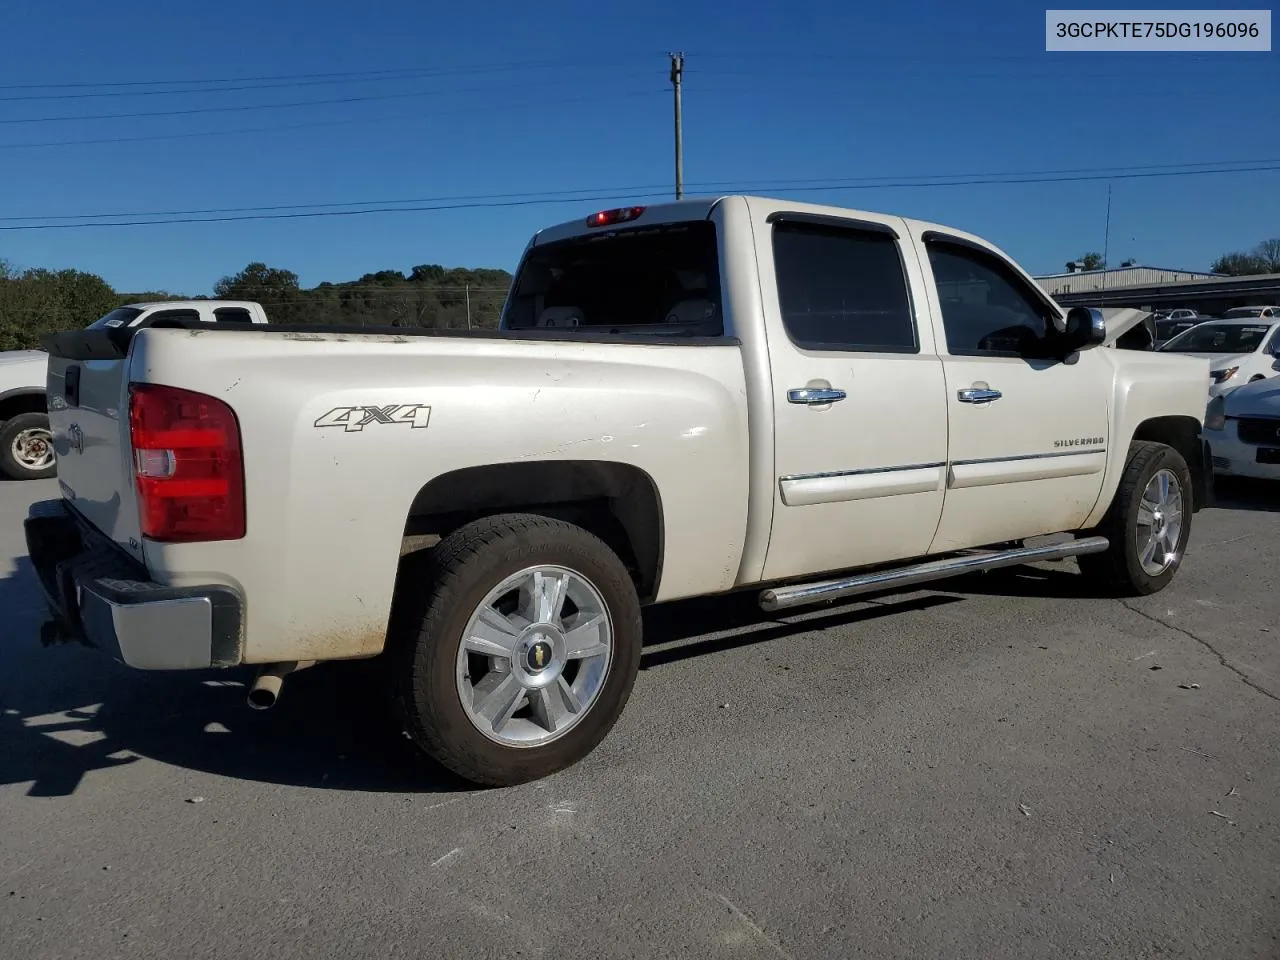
(1183, 435)
(617, 502)
(17, 403)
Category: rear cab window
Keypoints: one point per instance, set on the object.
(233, 315)
(661, 280)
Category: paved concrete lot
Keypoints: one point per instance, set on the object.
(1002, 767)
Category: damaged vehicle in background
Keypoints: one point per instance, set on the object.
(1243, 431)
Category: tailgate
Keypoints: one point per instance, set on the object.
(89, 414)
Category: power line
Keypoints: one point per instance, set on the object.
(539, 201)
(373, 77)
(569, 194)
(240, 108)
(277, 127)
(462, 68)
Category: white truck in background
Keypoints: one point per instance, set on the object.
(696, 398)
(26, 444)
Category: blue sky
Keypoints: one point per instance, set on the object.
(519, 98)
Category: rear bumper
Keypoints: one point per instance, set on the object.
(99, 596)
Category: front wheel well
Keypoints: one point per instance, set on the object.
(617, 502)
(1182, 434)
(17, 403)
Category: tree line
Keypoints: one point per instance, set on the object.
(1264, 258)
(36, 301)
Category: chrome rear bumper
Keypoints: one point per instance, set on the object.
(99, 596)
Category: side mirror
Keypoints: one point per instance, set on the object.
(1085, 327)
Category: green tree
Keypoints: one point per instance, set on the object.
(276, 289)
(1269, 252)
(39, 301)
(1093, 261)
(1240, 264)
(1264, 258)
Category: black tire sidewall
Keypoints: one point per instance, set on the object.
(449, 734)
(1165, 459)
(9, 429)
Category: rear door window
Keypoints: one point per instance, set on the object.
(842, 288)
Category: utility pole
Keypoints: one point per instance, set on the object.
(677, 74)
(467, 287)
(1106, 246)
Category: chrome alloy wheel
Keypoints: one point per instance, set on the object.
(1159, 523)
(534, 656)
(33, 448)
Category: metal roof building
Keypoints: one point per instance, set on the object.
(1086, 281)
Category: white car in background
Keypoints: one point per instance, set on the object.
(1239, 351)
(1243, 431)
(26, 445)
(1252, 313)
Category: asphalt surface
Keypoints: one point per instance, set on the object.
(1001, 767)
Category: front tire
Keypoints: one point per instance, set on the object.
(26, 447)
(523, 652)
(1148, 523)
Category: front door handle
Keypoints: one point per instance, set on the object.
(814, 395)
(978, 395)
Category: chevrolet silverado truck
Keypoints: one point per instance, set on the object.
(26, 447)
(680, 400)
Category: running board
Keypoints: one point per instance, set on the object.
(779, 598)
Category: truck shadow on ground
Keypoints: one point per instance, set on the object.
(67, 712)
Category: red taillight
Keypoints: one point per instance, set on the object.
(187, 465)
(607, 218)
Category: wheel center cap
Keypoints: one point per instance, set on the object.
(537, 656)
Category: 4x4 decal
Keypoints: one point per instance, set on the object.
(354, 419)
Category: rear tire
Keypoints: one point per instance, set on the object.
(522, 651)
(1148, 524)
(26, 447)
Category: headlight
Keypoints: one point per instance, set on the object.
(1215, 415)
(1222, 376)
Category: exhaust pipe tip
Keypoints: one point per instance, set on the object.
(266, 687)
(265, 692)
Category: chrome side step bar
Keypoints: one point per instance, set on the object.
(779, 598)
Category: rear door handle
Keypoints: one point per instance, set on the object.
(814, 395)
(978, 395)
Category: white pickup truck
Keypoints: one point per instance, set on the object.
(738, 394)
(26, 448)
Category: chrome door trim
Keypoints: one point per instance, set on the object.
(862, 471)
(1029, 456)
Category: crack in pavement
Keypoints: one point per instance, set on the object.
(1207, 645)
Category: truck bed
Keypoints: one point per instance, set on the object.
(113, 344)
